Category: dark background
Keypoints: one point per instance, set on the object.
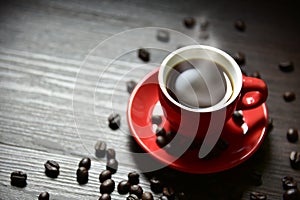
(42, 46)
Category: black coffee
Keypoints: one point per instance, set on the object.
(199, 83)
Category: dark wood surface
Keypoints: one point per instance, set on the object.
(47, 110)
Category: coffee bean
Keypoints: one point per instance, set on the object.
(107, 186)
(137, 190)
(85, 162)
(114, 121)
(204, 24)
(163, 198)
(130, 85)
(105, 196)
(163, 35)
(239, 58)
(288, 183)
(104, 175)
(170, 135)
(144, 55)
(189, 22)
(112, 165)
(147, 196)
(292, 135)
(156, 119)
(240, 25)
(289, 96)
(255, 75)
(100, 149)
(44, 196)
(132, 197)
(156, 185)
(123, 187)
(291, 194)
(169, 192)
(295, 160)
(110, 154)
(160, 131)
(82, 175)
(51, 168)
(286, 66)
(133, 178)
(18, 179)
(161, 141)
(257, 196)
(238, 118)
(270, 124)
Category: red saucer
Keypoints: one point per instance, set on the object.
(241, 146)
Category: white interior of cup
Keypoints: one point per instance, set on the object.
(207, 53)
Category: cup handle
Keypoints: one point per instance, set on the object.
(254, 92)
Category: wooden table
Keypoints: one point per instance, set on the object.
(54, 106)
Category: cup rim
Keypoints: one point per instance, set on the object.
(237, 83)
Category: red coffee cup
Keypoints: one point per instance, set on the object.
(222, 85)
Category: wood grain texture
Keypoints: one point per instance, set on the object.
(55, 106)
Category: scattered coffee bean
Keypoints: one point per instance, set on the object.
(100, 149)
(137, 190)
(114, 121)
(163, 198)
(255, 75)
(291, 194)
(292, 135)
(110, 154)
(163, 35)
(133, 178)
(44, 196)
(144, 55)
(270, 124)
(51, 168)
(82, 175)
(160, 131)
(295, 160)
(239, 58)
(132, 197)
(204, 24)
(112, 165)
(288, 182)
(238, 118)
(147, 196)
(156, 119)
(286, 66)
(240, 25)
(220, 146)
(105, 196)
(170, 135)
(85, 162)
(104, 175)
(257, 196)
(156, 185)
(189, 22)
(130, 85)
(123, 187)
(289, 96)
(107, 186)
(161, 141)
(169, 192)
(18, 179)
